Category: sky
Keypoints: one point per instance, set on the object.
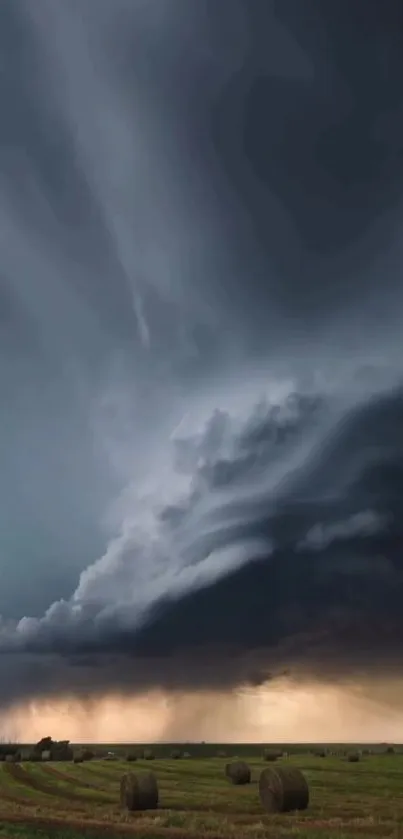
(201, 367)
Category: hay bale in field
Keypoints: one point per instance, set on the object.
(238, 772)
(139, 792)
(148, 754)
(46, 754)
(82, 754)
(187, 755)
(176, 754)
(390, 750)
(353, 757)
(131, 756)
(320, 753)
(283, 789)
(271, 754)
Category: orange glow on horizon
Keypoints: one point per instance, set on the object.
(281, 712)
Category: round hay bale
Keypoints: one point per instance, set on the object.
(131, 756)
(238, 772)
(176, 754)
(353, 757)
(84, 754)
(271, 754)
(283, 789)
(139, 792)
(78, 758)
(148, 754)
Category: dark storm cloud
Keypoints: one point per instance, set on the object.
(324, 600)
(316, 155)
(210, 192)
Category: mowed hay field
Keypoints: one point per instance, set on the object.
(363, 799)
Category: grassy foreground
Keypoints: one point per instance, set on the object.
(348, 800)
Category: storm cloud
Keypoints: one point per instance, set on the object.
(201, 368)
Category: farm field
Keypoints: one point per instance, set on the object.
(68, 800)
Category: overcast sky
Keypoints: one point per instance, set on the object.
(200, 342)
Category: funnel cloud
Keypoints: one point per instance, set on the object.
(201, 365)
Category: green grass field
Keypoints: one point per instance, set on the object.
(348, 800)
